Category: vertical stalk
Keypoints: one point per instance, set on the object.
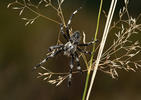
(91, 60)
(106, 30)
(61, 13)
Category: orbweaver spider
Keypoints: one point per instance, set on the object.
(70, 48)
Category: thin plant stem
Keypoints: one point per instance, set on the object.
(105, 34)
(91, 60)
(61, 14)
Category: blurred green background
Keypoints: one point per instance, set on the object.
(23, 47)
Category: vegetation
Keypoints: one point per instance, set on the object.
(119, 56)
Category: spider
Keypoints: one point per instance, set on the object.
(70, 48)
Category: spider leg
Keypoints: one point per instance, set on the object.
(54, 53)
(70, 19)
(51, 48)
(62, 31)
(67, 31)
(87, 44)
(70, 72)
(83, 51)
(78, 62)
(69, 22)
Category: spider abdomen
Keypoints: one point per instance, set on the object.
(69, 48)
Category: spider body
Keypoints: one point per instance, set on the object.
(70, 48)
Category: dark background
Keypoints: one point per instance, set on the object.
(23, 47)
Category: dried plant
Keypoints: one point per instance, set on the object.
(22, 5)
(48, 75)
(120, 55)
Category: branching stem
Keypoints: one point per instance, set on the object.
(39, 14)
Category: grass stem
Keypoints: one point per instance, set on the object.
(105, 34)
(91, 60)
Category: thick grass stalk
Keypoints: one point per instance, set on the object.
(90, 66)
(106, 30)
